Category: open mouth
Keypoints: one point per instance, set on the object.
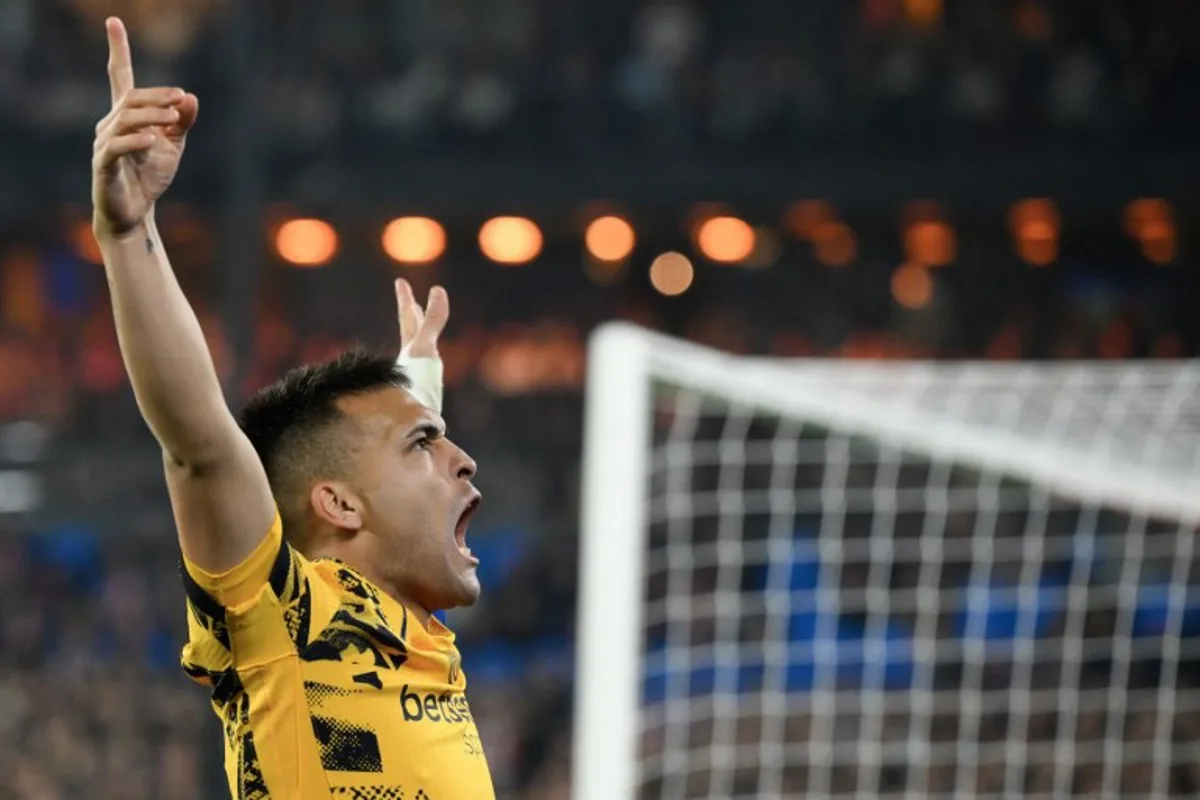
(460, 530)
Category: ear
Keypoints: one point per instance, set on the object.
(334, 503)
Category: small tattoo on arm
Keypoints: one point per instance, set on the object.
(149, 245)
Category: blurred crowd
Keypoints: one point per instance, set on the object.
(675, 76)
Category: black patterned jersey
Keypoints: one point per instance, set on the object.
(327, 687)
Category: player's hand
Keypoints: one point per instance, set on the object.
(420, 328)
(138, 143)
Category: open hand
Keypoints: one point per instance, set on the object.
(420, 329)
(138, 144)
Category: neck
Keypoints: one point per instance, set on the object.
(388, 587)
(422, 614)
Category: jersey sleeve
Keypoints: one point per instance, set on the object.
(265, 608)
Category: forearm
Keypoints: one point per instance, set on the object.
(164, 350)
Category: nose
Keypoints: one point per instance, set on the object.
(464, 466)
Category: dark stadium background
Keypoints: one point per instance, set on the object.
(1045, 150)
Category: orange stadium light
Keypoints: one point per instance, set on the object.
(834, 244)
(609, 239)
(931, 243)
(671, 274)
(726, 240)
(805, 218)
(912, 287)
(923, 12)
(1035, 227)
(1143, 212)
(1035, 209)
(1038, 246)
(1151, 221)
(414, 240)
(1159, 245)
(510, 240)
(306, 242)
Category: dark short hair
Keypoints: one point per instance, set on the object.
(293, 424)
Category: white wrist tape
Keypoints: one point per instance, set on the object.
(426, 376)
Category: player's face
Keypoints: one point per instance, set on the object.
(418, 496)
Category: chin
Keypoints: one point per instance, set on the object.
(463, 590)
(470, 590)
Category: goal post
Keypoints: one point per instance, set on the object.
(612, 525)
(824, 578)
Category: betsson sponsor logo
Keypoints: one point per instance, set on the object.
(446, 707)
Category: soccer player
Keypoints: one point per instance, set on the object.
(318, 536)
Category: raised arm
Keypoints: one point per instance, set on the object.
(219, 491)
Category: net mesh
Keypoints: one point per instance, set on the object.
(832, 612)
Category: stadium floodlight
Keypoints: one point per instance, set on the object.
(414, 240)
(510, 240)
(726, 240)
(306, 242)
(831, 579)
(671, 273)
(609, 238)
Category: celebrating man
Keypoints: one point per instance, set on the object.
(319, 535)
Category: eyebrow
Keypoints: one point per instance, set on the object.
(425, 429)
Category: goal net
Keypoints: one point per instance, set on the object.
(820, 579)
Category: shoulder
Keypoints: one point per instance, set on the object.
(343, 577)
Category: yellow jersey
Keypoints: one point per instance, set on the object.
(326, 686)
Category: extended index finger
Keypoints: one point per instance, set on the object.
(120, 61)
(407, 309)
